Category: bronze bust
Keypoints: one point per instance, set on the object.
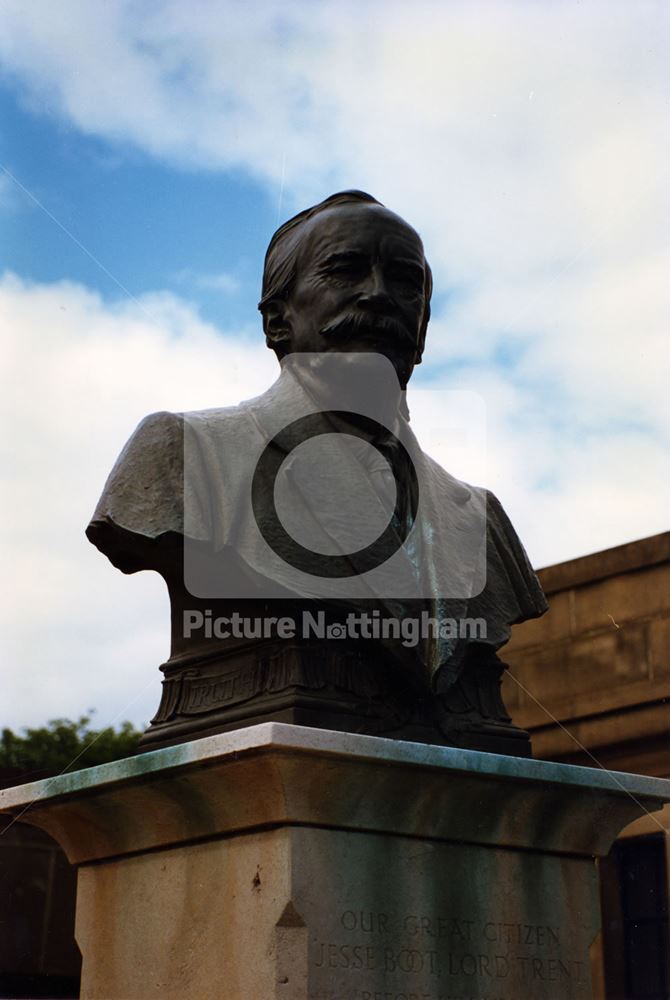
(355, 586)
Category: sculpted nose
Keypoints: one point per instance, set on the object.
(375, 294)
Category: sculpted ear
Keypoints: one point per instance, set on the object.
(427, 293)
(276, 326)
(420, 345)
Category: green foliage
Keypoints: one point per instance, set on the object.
(66, 745)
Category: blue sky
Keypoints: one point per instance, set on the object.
(525, 142)
(148, 224)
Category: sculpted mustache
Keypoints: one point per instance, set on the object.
(348, 326)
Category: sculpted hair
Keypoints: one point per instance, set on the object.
(279, 269)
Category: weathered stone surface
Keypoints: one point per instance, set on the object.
(659, 647)
(614, 602)
(626, 558)
(594, 674)
(284, 862)
(557, 623)
(312, 913)
(281, 774)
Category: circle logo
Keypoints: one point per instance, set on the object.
(288, 548)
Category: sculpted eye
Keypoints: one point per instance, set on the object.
(408, 277)
(345, 267)
(410, 280)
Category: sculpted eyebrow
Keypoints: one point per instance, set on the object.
(412, 265)
(345, 256)
(342, 256)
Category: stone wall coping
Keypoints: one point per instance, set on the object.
(609, 562)
(275, 774)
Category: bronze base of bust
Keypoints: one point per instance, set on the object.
(346, 687)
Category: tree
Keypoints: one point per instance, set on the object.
(65, 745)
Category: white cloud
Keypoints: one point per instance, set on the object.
(221, 281)
(80, 374)
(523, 140)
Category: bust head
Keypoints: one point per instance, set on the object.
(347, 275)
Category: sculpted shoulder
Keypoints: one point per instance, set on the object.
(160, 436)
(456, 490)
(143, 498)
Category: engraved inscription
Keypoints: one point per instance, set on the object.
(399, 919)
(444, 957)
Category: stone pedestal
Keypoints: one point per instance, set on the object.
(285, 863)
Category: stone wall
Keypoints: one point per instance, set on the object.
(593, 675)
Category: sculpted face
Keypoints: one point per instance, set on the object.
(359, 287)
